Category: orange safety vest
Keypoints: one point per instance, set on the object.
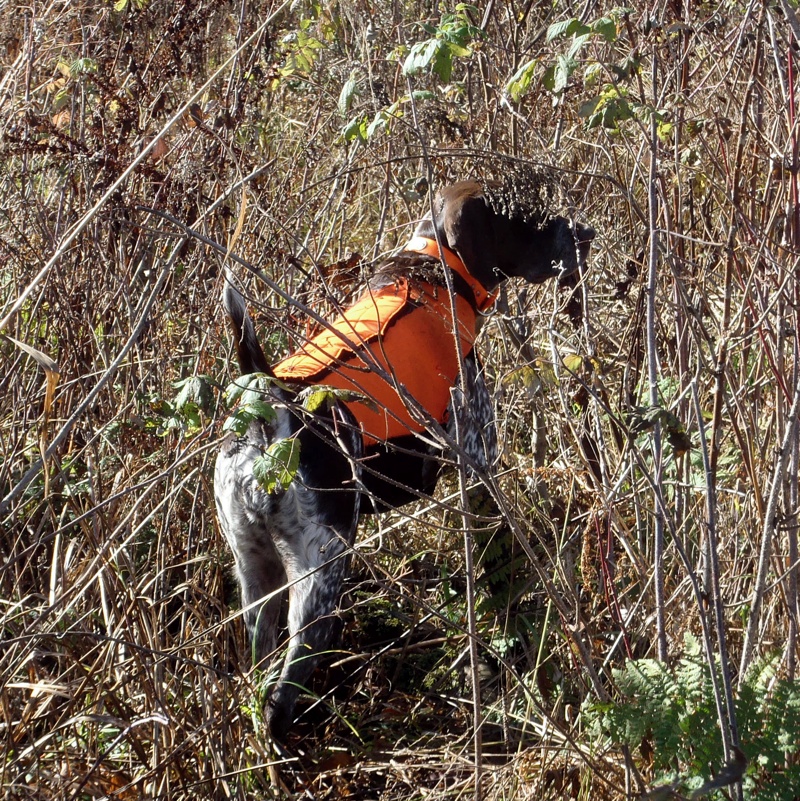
(407, 329)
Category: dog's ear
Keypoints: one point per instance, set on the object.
(466, 225)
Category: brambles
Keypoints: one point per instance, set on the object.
(118, 611)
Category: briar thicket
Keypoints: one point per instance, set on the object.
(637, 601)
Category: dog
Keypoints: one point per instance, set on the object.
(389, 371)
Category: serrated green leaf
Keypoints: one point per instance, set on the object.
(233, 392)
(238, 422)
(606, 27)
(360, 397)
(527, 376)
(592, 73)
(671, 421)
(653, 415)
(549, 78)
(443, 63)
(563, 69)
(562, 28)
(589, 107)
(256, 382)
(196, 390)
(577, 45)
(191, 415)
(457, 50)
(255, 391)
(355, 129)
(340, 395)
(82, 66)
(379, 124)
(420, 56)
(262, 410)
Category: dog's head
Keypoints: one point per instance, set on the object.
(495, 245)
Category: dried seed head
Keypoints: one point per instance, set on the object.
(524, 192)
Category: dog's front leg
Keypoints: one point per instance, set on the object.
(471, 418)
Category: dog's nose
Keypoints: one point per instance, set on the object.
(584, 233)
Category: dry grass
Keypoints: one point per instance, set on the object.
(123, 665)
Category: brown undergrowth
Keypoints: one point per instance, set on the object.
(144, 145)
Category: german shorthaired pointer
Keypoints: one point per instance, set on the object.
(396, 346)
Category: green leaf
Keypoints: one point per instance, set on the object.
(120, 5)
(519, 83)
(277, 467)
(250, 392)
(421, 56)
(589, 107)
(191, 416)
(592, 73)
(563, 28)
(256, 383)
(564, 67)
(330, 395)
(322, 397)
(458, 50)
(577, 45)
(355, 129)
(262, 410)
(82, 66)
(346, 96)
(380, 122)
(549, 78)
(527, 376)
(238, 422)
(606, 27)
(443, 63)
(194, 390)
(573, 362)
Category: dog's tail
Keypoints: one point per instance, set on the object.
(248, 350)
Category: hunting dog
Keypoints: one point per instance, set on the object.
(397, 358)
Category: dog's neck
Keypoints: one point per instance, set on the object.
(428, 246)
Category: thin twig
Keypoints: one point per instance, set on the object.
(653, 375)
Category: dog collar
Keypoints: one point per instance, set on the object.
(420, 244)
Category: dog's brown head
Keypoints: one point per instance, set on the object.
(495, 245)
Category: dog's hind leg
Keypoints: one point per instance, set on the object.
(244, 512)
(318, 565)
(313, 540)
